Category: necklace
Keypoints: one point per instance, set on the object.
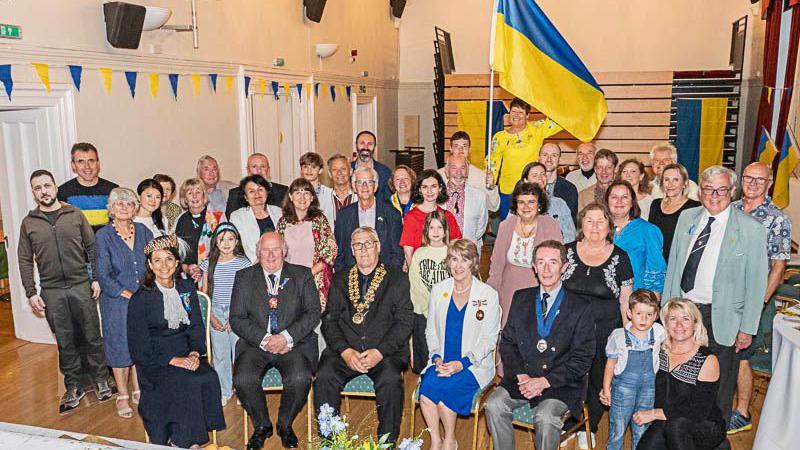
(362, 305)
(457, 291)
(130, 232)
(530, 233)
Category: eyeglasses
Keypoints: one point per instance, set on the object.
(359, 246)
(719, 192)
(364, 183)
(757, 180)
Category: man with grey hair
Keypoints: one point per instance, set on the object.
(340, 172)
(467, 203)
(365, 147)
(208, 173)
(724, 241)
(583, 176)
(662, 155)
(368, 211)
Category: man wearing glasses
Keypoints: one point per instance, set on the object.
(366, 145)
(367, 325)
(756, 181)
(724, 241)
(368, 212)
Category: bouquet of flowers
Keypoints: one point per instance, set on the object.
(333, 429)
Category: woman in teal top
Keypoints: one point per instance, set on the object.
(640, 239)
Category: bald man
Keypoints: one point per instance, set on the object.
(257, 164)
(756, 181)
(583, 176)
(550, 157)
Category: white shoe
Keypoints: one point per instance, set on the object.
(566, 441)
(582, 443)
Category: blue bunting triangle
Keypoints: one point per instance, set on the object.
(300, 91)
(316, 90)
(76, 72)
(173, 81)
(246, 86)
(5, 78)
(347, 90)
(274, 85)
(213, 78)
(333, 93)
(131, 78)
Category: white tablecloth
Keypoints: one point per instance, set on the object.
(779, 425)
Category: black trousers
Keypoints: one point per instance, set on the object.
(387, 375)
(71, 311)
(419, 344)
(248, 372)
(681, 434)
(728, 368)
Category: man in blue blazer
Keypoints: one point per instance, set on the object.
(368, 212)
(724, 241)
(547, 347)
(366, 146)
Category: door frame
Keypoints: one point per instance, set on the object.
(372, 100)
(60, 102)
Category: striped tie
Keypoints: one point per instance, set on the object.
(690, 269)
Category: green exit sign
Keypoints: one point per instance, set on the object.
(10, 31)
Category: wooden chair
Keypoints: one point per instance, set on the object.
(360, 386)
(273, 383)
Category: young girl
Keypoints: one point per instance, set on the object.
(428, 267)
(630, 374)
(226, 257)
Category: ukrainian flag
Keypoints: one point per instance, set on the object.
(766, 148)
(786, 166)
(536, 64)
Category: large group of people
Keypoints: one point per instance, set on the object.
(380, 273)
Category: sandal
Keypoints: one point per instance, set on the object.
(135, 396)
(123, 410)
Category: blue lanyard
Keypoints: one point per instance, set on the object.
(544, 325)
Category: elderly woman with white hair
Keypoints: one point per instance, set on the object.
(120, 266)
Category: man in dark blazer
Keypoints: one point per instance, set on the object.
(275, 308)
(368, 212)
(550, 157)
(547, 347)
(257, 164)
(367, 332)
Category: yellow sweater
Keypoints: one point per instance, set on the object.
(512, 152)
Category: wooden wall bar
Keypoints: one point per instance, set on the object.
(638, 110)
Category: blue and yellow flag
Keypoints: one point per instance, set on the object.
(473, 118)
(700, 133)
(766, 148)
(786, 166)
(536, 64)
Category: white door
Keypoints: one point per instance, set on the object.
(279, 130)
(29, 140)
(365, 115)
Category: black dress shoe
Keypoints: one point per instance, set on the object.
(288, 438)
(260, 434)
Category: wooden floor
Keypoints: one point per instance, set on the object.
(29, 395)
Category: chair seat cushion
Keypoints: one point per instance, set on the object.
(272, 379)
(361, 384)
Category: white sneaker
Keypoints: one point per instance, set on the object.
(582, 443)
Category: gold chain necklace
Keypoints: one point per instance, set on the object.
(362, 306)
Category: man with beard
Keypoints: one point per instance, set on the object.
(366, 144)
(60, 240)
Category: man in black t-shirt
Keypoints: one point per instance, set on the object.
(87, 190)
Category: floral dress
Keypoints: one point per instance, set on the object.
(325, 251)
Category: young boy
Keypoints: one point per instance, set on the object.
(311, 166)
(630, 373)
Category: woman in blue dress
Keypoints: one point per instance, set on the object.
(640, 239)
(120, 266)
(462, 331)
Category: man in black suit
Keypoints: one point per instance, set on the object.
(274, 309)
(257, 164)
(545, 362)
(367, 326)
(368, 212)
(550, 157)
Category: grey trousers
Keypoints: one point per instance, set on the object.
(546, 420)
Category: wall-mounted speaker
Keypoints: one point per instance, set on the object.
(314, 9)
(124, 24)
(397, 7)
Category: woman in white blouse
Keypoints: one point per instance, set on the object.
(462, 331)
(258, 217)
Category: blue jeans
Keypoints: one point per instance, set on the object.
(632, 390)
(223, 348)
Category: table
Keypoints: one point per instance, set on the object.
(780, 415)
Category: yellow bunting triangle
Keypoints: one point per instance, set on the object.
(43, 70)
(105, 72)
(307, 89)
(228, 84)
(153, 77)
(288, 90)
(195, 84)
(769, 95)
(262, 87)
(342, 92)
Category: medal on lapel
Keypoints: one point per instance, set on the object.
(541, 345)
(544, 324)
(479, 314)
(273, 303)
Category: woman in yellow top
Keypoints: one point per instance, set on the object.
(515, 147)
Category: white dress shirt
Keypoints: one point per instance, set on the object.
(477, 179)
(366, 217)
(703, 290)
(284, 333)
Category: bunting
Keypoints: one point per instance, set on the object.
(274, 85)
(262, 87)
(75, 72)
(246, 87)
(333, 93)
(300, 91)
(308, 90)
(43, 70)
(195, 84)
(316, 90)
(131, 78)
(287, 90)
(105, 74)
(153, 78)
(5, 78)
(348, 89)
(213, 78)
(229, 84)
(173, 82)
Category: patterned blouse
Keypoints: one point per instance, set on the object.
(325, 251)
(778, 225)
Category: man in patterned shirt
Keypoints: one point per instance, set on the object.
(756, 181)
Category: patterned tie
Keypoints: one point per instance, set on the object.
(545, 296)
(690, 269)
(273, 313)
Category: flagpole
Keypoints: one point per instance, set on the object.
(491, 88)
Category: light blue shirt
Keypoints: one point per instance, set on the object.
(366, 218)
(560, 211)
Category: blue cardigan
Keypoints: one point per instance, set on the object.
(643, 243)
